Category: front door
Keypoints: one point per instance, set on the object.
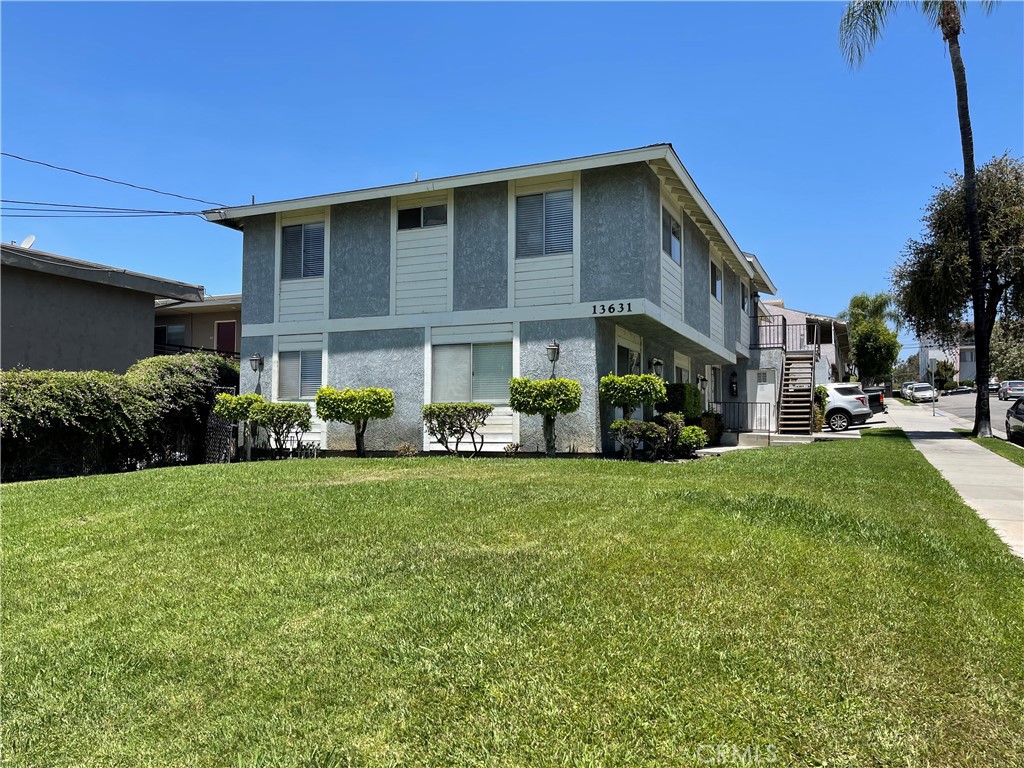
(226, 336)
(761, 384)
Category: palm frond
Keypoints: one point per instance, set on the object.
(861, 26)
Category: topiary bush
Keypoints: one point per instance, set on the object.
(673, 424)
(235, 409)
(690, 440)
(630, 434)
(357, 407)
(681, 398)
(449, 423)
(282, 421)
(631, 391)
(548, 398)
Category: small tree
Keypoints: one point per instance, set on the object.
(282, 420)
(631, 391)
(944, 373)
(1008, 349)
(236, 408)
(447, 422)
(548, 398)
(875, 349)
(356, 407)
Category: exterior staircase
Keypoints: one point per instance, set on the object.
(796, 398)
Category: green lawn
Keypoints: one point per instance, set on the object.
(997, 445)
(833, 603)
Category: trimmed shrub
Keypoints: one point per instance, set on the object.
(673, 424)
(818, 416)
(631, 391)
(631, 433)
(681, 398)
(691, 440)
(357, 407)
(547, 398)
(449, 423)
(282, 421)
(236, 408)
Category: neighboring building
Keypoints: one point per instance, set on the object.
(65, 314)
(804, 329)
(961, 355)
(443, 289)
(213, 324)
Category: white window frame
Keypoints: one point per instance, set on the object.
(296, 222)
(715, 287)
(670, 210)
(470, 345)
(420, 207)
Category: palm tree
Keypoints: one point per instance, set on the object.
(866, 308)
(859, 29)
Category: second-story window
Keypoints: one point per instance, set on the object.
(424, 216)
(716, 281)
(671, 234)
(302, 251)
(544, 224)
(744, 298)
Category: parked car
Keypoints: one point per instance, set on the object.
(959, 390)
(1010, 390)
(846, 405)
(876, 399)
(1015, 422)
(905, 388)
(922, 393)
(993, 384)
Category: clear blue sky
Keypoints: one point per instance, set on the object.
(820, 170)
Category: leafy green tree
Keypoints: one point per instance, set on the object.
(908, 370)
(631, 391)
(547, 398)
(1008, 349)
(357, 407)
(875, 349)
(281, 420)
(932, 282)
(943, 372)
(859, 29)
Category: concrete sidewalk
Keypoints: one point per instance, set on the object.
(991, 485)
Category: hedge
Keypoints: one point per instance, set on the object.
(60, 423)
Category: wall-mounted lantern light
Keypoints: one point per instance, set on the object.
(256, 363)
(657, 365)
(702, 381)
(553, 353)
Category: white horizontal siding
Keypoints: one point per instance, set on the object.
(498, 432)
(298, 342)
(544, 183)
(465, 334)
(421, 267)
(301, 300)
(671, 288)
(717, 321)
(544, 280)
(744, 329)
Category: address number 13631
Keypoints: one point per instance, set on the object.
(613, 308)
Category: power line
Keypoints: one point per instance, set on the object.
(84, 208)
(93, 215)
(111, 181)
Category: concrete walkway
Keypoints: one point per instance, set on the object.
(991, 485)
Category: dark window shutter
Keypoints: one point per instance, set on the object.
(529, 226)
(291, 252)
(558, 222)
(313, 250)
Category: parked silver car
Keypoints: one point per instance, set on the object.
(846, 405)
(905, 388)
(1015, 422)
(922, 393)
(1011, 390)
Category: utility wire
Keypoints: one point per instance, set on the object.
(84, 207)
(112, 181)
(93, 215)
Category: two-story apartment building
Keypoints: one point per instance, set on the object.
(444, 289)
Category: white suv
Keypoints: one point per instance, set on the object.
(846, 405)
(922, 393)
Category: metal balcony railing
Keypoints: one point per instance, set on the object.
(180, 349)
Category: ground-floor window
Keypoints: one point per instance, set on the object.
(171, 336)
(299, 374)
(471, 372)
(627, 361)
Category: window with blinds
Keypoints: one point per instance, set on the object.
(299, 374)
(671, 233)
(302, 251)
(463, 373)
(544, 224)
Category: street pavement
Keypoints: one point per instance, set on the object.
(988, 483)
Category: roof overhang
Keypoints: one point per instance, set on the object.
(762, 283)
(101, 274)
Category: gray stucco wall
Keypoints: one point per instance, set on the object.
(577, 360)
(620, 229)
(248, 381)
(731, 308)
(697, 282)
(388, 358)
(58, 323)
(481, 247)
(361, 259)
(258, 238)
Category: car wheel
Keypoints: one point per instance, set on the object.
(838, 421)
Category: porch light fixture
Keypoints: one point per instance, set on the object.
(256, 363)
(702, 381)
(553, 352)
(657, 365)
